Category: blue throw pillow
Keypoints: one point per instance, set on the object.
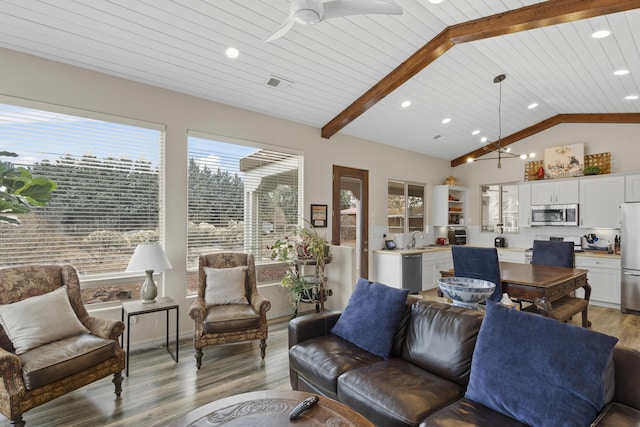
(540, 371)
(372, 316)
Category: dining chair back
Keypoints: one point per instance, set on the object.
(478, 263)
(553, 252)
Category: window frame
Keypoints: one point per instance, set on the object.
(504, 228)
(113, 278)
(261, 263)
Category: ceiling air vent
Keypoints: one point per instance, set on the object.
(278, 82)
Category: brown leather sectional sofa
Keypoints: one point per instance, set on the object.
(424, 381)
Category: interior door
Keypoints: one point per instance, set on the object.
(350, 222)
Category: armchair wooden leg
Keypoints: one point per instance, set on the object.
(18, 422)
(198, 357)
(117, 380)
(263, 347)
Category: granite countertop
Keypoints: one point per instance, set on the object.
(439, 248)
(418, 250)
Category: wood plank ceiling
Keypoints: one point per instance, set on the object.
(179, 45)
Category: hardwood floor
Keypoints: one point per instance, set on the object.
(159, 390)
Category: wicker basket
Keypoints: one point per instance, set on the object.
(602, 160)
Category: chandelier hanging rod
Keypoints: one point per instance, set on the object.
(500, 150)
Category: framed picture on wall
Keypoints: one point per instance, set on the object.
(564, 161)
(319, 215)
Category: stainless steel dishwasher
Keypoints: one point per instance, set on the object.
(412, 272)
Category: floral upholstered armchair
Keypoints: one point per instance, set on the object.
(228, 308)
(49, 345)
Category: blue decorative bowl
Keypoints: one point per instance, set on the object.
(466, 292)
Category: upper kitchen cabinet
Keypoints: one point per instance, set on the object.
(632, 188)
(449, 205)
(600, 201)
(405, 207)
(524, 204)
(554, 192)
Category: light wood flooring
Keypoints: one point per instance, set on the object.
(159, 390)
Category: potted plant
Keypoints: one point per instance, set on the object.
(305, 246)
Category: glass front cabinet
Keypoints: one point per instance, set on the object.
(405, 207)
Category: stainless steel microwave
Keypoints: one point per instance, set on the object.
(554, 215)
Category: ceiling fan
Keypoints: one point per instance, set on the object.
(309, 12)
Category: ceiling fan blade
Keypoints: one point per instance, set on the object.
(281, 30)
(337, 8)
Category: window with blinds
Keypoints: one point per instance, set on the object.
(241, 198)
(107, 196)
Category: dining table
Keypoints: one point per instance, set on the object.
(550, 289)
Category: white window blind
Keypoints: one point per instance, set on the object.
(107, 196)
(241, 198)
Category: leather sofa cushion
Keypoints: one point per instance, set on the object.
(396, 393)
(441, 338)
(616, 415)
(323, 359)
(51, 362)
(466, 412)
(231, 317)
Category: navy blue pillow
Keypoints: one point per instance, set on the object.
(372, 316)
(537, 370)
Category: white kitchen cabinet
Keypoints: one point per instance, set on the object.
(432, 264)
(449, 205)
(388, 268)
(524, 204)
(604, 278)
(600, 201)
(632, 188)
(511, 256)
(554, 192)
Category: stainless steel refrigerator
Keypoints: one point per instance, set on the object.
(630, 258)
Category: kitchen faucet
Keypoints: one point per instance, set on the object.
(412, 244)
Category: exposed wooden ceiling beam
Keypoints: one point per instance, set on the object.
(546, 124)
(539, 15)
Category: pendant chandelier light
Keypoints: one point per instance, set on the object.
(501, 152)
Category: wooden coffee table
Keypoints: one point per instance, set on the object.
(270, 408)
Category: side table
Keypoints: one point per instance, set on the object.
(137, 308)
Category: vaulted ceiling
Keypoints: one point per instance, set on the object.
(336, 65)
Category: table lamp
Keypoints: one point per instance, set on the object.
(149, 257)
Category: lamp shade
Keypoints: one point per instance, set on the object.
(149, 256)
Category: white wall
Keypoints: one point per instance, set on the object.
(32, 78)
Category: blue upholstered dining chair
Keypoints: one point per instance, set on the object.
(553, 252)
(478, 263)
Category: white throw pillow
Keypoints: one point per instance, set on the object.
(40, 320)
(225, 285)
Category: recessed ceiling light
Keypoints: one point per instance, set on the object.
(435, 1)
(405, 104)
(445, 121)
(600, 34)
(631, 97)
(475, 132)
(232, 52)
(483, 139)
(621, 72)
(532, 106)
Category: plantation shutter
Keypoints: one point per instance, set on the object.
(241, 197)
(107, 199)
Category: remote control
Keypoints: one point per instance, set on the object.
(303, 406)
